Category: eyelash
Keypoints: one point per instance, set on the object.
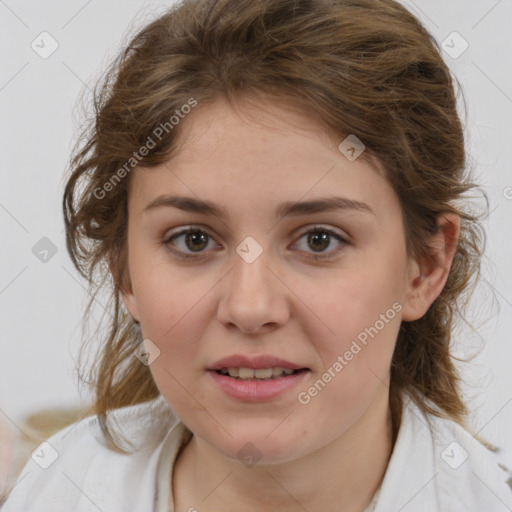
(167, 242)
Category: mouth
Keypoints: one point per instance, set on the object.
(258, 384)
(257, 378)
(259, 374)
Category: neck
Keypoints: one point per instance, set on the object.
(341, 476)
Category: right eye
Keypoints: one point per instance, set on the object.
(191, 239)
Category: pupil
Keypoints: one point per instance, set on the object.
(316, 237)
(195, 237)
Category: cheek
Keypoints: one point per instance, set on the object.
(174, 309)
(165, 293)
(356, 359)
(353, 303)
(176, 326)
(173, 321)
(360, 313)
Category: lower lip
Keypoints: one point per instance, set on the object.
(257, 390)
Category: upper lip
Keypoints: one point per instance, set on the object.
(261, 361)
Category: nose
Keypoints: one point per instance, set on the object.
(253, 298)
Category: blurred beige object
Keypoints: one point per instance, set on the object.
(7, 441)
(16, 445)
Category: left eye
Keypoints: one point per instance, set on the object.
(320, 238)
(196, 240)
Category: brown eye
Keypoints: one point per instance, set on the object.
(191, 240)
(319, 239)
(196, 240)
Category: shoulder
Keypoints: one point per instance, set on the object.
(75, 470)
(436, 464)
(465, 474)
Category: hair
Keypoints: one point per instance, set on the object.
(363, 67)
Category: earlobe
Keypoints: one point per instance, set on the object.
(428, 275)
(124, 286)
(412, 307)
(131, 305)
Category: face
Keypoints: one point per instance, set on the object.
(322, 289)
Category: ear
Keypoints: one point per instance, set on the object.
(131, 304)
(123, 282)
(428, 275)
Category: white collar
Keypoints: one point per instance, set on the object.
(437, 465)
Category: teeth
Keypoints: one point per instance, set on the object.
(260, 373)
(263, 373)
(277, 371)
(245, 373)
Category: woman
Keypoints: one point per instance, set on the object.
(277, 190)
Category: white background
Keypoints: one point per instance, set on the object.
(41, 303)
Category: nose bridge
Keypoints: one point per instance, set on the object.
(252, 295)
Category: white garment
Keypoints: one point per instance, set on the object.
(426, 473)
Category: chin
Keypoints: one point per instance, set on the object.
(256, 447)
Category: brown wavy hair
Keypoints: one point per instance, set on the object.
(364, 67)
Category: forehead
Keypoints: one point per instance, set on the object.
(257, 155)
(266, 128)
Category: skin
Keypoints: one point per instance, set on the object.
(308, 312)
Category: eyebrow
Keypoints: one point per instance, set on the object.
(293, 208)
